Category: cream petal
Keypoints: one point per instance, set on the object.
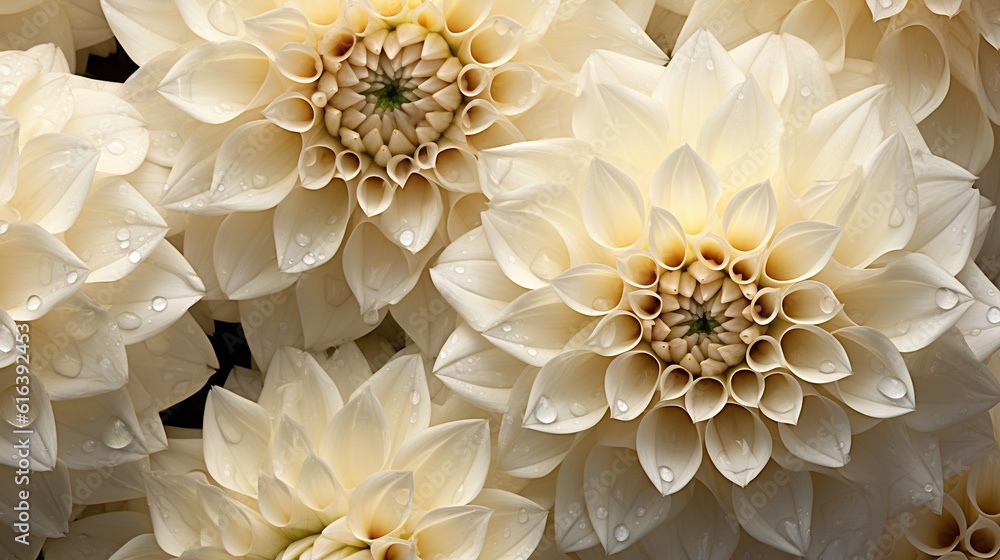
(569, 39)
(425, 316)
(318, 488)
(91, 534)
(245, 261)
(621, 124)
(297, 387)
(813, 354)
(807, 303)
(293, 111)
(913, 59)
(457, 532)
(884, 216)
(738, 443)
(573, 530)
(380, 505)
(478, 301)
(281, 508)
(153, 296)
(821, 435)
(706, 398)
(37, 271)
(107, 424)
(43, 441)
(176, 496)
(705, 530)
(799, 251)
(48, 94)
(937, 534)
(384, 280)
(55, 175)
(146, 29)
(256, 167)
(310, 225)
(753, 156)
(123, 139)
(630, 382)
(847, 518)
(427, 455)
(270, 322)
(455, 168)
(524, 452)
(568, 395)
(515, 528)
(880, 385)
(544, 318)
(982, 538)
(981, 485)
(781, 400)
(667, 241)
(750, 218)
(407, 416)
(10, 151)
(638, 269)
(515, 88)
(987, 57)
(244, 532)
(607, 188)
(694, 84)
(465, 214)
(745, 386)
(558, 160)
(298, 62)
(616, 333)
(946, 371)
(490, 44)
(628, 508)
(845, 131)
(730, 30)
(414, 215)
(764, 354)
(357, 442)
(688, 187)
(946, 201)
(934, 301)
(115, 221)
(781, 522)
(174, 364)
(328, 311)
(216, 82)
(959, 130)
(291, 448)
(274, 28)
(670, 448)
(590, 289)
(318, 160)
(237, 434)
(77, 350)
(487, 384)
(8, 350)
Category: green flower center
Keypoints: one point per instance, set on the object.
(391, 97)
(703, 324)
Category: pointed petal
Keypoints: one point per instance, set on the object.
(670, 448)
(782, 398)
(750, 218)
(524, 452)
(123, 139)
(781, 521)
(621, 124)
(310, 226)
(612, 206)
(630, 382)
(822, 435)
(568, 395)
(413, 217)
(912, 58)
(329, 312)
(378, 271)
(55, 175)
(516, 525)
(257, 166)
(688, 187)
(667, 241)
(814, 355)
(237, 433)
(401, 388)
(457, 532)
(879, 385)
(357, 441)
(538, 255)
(38, 269)
(738, 443)
(245, 260)
(544, 318)
(799, 251)
(43, 439)
(174, 364)
(487, 384)
(380, 505)
(427, 456)
(145, 28)
(297, 387)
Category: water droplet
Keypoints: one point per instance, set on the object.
(892, 387)
(131, 216)
(4, 226)
(506, 327)
(116, 147)
(621, 405)
(34, 302)
(128, 321)
(122, 234)
(826, 366)
(578, 409)
(601, 303)
(885, 3)
(72, 277)
(911, 197)
(621, 533)
(928, 487)
(602, 512)
(506, 532)
(309, 259)
(639, 512)
(545, 411)
(88, 446)
(18, 414)
(67, 362)
(993, 315)
(666, 474)
(827, 305)
(116, 434)
(159, 303)
(134, 257)
(414, 397)
(6, 338)
(805, 91)
(710, 65)
(259, 180)
(945, 298)
(522, 515)
(406, 237)
(302, 240)
(895, 218)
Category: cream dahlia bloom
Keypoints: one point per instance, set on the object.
(94, 340)
(302, 474)
(727, 262)
(76, 27)
(340, 138)
(940, 57)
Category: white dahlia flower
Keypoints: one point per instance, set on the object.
(302, 474)
(94, 340)
(339, 139)
(76, 27)
(940, 57)
(730, 271)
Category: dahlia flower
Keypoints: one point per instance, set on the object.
(76, 27)
(302, 474)
(339, 139)
(729, 271)
(94, 340)
(939, 57)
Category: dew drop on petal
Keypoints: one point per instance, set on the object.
(892, 387)
(134, 257)
(9, 408)
(302, 239)
(545, 411)
(826, 366)
(827, 305)
(6, 339)
(122, 234)
(621, 405)
(116, 147)
(911, 197)
(602, 512)
(159, 303)
(666, 474)
(945, 298)
(72, 277)
(116, 434)
(805, 91)
(414, 397)
(577, 409)
(88, 446)
(259, 180)
(309, 259)
(993, 315)
(4, 226)
(895, 218)
(928, 487)
(406, 237)
(128, 321)
(34, 302)
(522, 516)
(621, 533)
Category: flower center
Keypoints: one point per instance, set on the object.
(703, 323)
(390, 92)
